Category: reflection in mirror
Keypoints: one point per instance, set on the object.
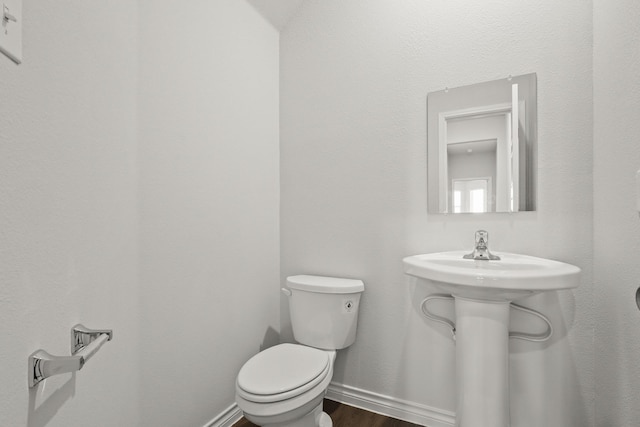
(482, 147)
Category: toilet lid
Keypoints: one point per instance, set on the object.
(283, 370)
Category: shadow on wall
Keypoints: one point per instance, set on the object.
(45, 399)
(271, 338)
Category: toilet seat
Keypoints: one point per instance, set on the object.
(282, 372)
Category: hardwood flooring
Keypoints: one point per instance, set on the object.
(348, 416)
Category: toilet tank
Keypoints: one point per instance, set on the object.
(324, 310)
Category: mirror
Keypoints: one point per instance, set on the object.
(481, 147)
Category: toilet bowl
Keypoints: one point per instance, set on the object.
(284, 386)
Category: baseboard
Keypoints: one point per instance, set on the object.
(390, 406)
(227, 418)
(385, 405)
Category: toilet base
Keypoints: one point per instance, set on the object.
(315, 418)
(325, 420)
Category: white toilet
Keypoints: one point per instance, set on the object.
(284, 385)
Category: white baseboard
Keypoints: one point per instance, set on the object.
(227, 418)
(390, 406)
(380, 404)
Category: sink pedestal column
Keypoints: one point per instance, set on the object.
(482, 363)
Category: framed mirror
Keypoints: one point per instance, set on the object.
(482, 147)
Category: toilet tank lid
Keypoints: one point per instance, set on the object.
(325, 285)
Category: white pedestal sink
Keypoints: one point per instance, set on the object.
(483, 291)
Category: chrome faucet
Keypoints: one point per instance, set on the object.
(481, 251)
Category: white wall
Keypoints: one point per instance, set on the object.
(68, 212)
(354, 79)
(209, 192)
(84, 209)
(616, 223)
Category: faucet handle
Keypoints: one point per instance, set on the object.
(482, 239)
(481, 250)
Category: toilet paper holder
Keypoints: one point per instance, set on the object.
(85, 343)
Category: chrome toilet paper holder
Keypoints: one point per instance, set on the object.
(85, 343)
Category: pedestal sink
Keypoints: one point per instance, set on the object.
(483, 291)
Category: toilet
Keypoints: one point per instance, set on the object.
(284, 386)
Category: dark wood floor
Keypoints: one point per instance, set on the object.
(348, 416)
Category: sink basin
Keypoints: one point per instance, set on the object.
(512, 277)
